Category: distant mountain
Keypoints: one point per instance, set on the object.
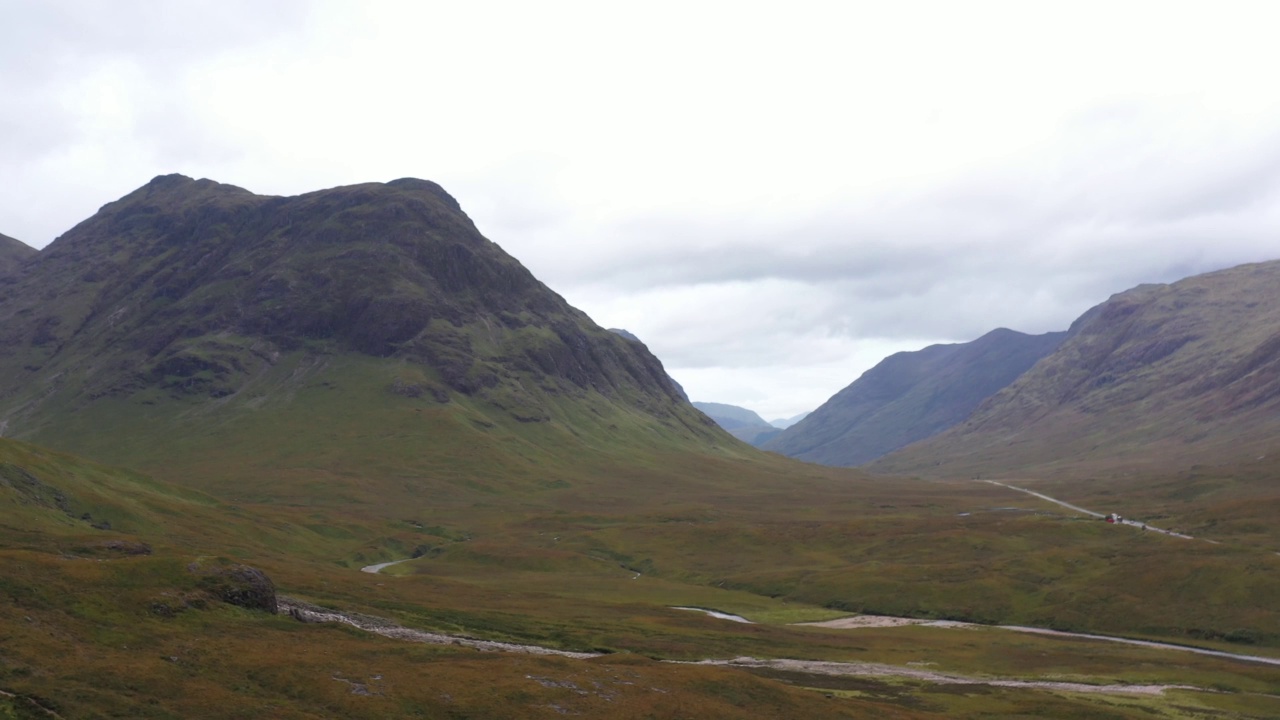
(1157, 375)
(190, 301)
(741, 423)
(13, 253)
(730, 416)
(910, 396)
(784, 423)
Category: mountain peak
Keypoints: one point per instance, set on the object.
(417, 185)
(176, 182)
(171, 180)
(196, 287)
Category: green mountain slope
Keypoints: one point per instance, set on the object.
(187, 301)
(13, 254)
(1160, 375)
(910, 396)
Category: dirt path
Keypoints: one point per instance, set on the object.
(1146, 643)
(306, 612)
(859, 669)
(882, 621)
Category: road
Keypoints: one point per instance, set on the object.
(1069, 506)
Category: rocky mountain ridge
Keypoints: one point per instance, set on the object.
(1179, 373)
(186, 290)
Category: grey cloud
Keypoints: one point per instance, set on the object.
(984, 250)
(58, 51)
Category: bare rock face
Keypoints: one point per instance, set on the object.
(240, 585)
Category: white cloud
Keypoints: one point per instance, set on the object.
(771, 196)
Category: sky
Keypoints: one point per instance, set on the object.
(772, 195)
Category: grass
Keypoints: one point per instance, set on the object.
(535, 533)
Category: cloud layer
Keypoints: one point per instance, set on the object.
(772, 197)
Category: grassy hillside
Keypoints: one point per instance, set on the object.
(1161, 376)
(910, 396)
(139, 634)
(372, 478)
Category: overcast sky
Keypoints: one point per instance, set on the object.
(773, 196)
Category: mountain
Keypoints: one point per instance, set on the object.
(191, 301)
(630, 336)
(730, 416)
(784, 423)
(741, 423)
(910, 396)
(13, 253)
(1160, 375)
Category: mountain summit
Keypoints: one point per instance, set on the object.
(202, 294)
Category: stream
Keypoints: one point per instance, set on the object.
(306, 612)
(375, 569)
(866, 621)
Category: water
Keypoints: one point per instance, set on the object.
(717, 614)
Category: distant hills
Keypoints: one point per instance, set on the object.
(784, 423)
(730, 416)
(910, 396)
(13, 253)
(1160, 375)
(744, 424)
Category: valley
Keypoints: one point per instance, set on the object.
(338, 454)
